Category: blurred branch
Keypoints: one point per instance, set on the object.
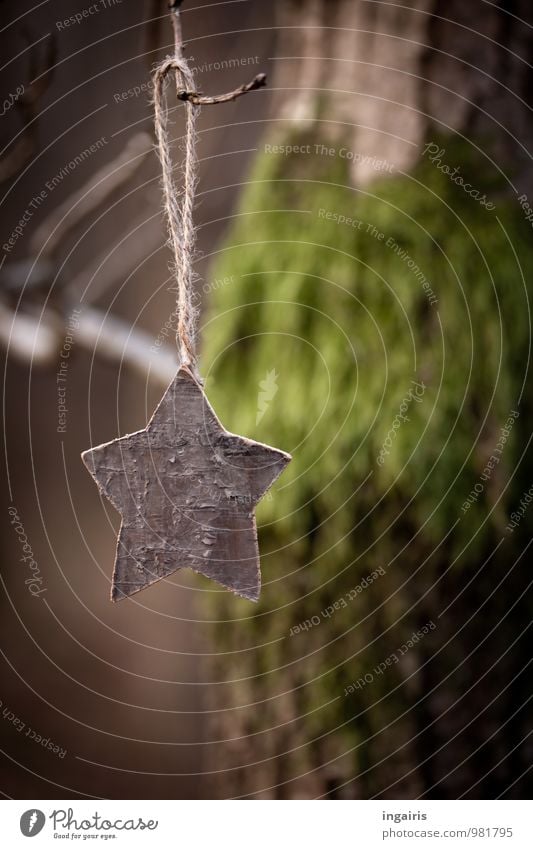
(142, 239)
(114, 339)
(36, 338)
(27, 338)
(27, 274)
(49, 236)
(33, 274)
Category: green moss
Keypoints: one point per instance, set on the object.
(340, 314)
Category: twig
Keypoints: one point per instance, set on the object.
(198, 99)
(174, 7)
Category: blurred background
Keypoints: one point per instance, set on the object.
(364, 262)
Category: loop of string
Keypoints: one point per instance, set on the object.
(179, 205)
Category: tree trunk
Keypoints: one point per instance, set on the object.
(376, 283)
(393, 75)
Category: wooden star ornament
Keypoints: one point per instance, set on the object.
(186, 490)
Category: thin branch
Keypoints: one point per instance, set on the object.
(198, 99)
(174, 7)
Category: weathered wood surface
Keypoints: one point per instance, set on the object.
(186, 490)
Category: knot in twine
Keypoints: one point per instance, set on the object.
(179, 205)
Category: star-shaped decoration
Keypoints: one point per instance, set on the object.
(186, 490)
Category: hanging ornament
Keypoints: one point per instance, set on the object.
(185, 487)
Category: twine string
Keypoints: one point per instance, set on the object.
(179, 205)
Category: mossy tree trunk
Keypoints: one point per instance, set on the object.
(386, 305)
